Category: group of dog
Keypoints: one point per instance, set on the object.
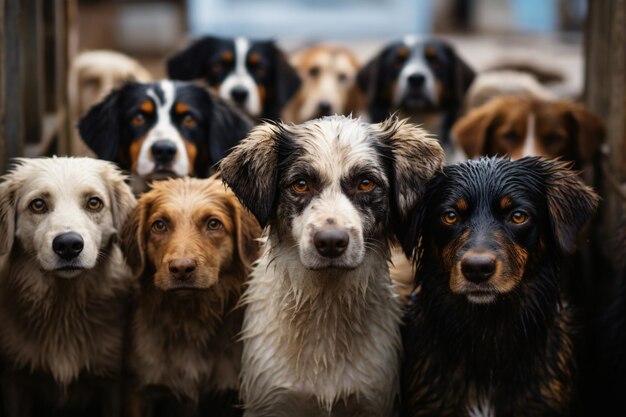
(266, 286)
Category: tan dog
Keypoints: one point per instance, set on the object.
(92, 76)
(520, 126)
(328, 86)
(191, 244)
(64, 288)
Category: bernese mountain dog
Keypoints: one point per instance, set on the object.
(489, 332)
(254, 74)
(422, 79)
(163, 129)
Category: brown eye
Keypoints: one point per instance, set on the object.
(139, 120)
(510, 136)
(38, 206)
(214, 224)
(366, 185)
(342, 77)
(519, 217)
(450, 217)
(159, 226)
(189, 121)
(314, 71)
(95, 204)
(300, 186)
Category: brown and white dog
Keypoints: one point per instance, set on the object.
(328, 75)
(321, 328)
(191, 244)
(520, 126)
(64, 289)
(92, 76)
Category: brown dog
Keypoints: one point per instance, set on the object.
(520, 126)
(328, 86)
(192, 245)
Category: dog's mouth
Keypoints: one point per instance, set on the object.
(417, 100)
(481, 296)
(68, 271)
(162, 172)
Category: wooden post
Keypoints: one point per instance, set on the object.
(3, 151)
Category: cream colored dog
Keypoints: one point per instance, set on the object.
(64, 285)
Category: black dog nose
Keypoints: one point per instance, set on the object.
(331, 243)
(163, 151)
(416, 80)
(478, 267)
(239, 94)
(324, 108)
(68, 245)
(182, 269)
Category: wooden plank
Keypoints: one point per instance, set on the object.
(33, 59)
(13, 79)
(3, 154)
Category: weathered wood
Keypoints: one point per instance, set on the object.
(13, 78)
(3, 154)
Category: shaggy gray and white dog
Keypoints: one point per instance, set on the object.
(321, 329)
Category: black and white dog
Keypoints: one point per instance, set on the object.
(255, 75)
(321, 329)
(419, 78)
(163, 129)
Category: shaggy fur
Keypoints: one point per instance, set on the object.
(62, 320)
(497, 340)
(321, 333)
(184, 325)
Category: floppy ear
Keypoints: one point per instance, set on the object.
(588, 130)
(133, 240)
(227, 127)
(100, 127)
(415, 158)
(463, 76)
(368, 81)
(189, 64)
(248, 231)
(122, 198)
(251, 170)
(7, 214)
(287, 80)
(471, 131)
(571, 203)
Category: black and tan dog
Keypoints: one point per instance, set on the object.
(191, 244)
(488, 333)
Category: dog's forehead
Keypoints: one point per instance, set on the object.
(188, 195)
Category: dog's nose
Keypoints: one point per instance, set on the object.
(331, 243)
(68, 245)
(163, 151)
(416, 80)
(239, 94)
(478, 267)
(182, 269)
(324, 108)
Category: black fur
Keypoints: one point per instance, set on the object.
(517, 352)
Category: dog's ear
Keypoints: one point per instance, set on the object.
(247, 234)
(133, 240)
(227, 127)
(122, 198)
(286, 78)
(471, 132)
(100, 127)
(587, 128)
(462, 75)
(251, 170)
(190, 63)
(414, 157)
(367, 79)
(571, 203)
(7, 213)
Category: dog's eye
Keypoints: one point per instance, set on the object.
(214, 224)
(342, 77)
(38, 206)
(95, 204)
(510, 136)
(314, 71)
(189, 121)
(300, 186)
(366, 185)
(159, 226)
(450, 217)
(139, 120)
(519, 217)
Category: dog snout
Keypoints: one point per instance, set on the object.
(331, 243)
(68, 245)
(478, 267)
(416, 80)
(182, 269)
(163, 151)
(239, 94)
(324, 108)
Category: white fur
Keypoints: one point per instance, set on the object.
(415, 65)
(240, 77)
(530, 139)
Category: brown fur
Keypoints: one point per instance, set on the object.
(185, 340)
